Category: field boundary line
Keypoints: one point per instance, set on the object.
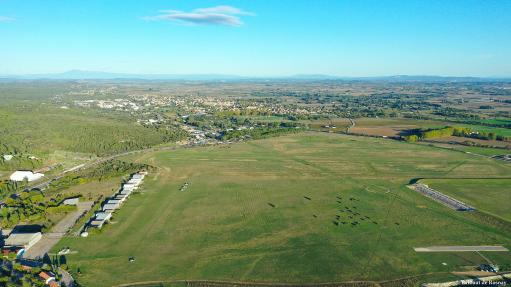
(268, 284)
(246, 283)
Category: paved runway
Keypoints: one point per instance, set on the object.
(460, 248)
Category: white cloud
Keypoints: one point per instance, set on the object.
(218, 15)
(4, 19)
(223, 9)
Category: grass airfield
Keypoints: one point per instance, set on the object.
(489, 195)
(272, 210)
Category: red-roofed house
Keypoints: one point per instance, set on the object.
(49, 279)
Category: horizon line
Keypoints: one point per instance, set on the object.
(224, 75)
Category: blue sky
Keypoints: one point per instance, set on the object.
(257, 38)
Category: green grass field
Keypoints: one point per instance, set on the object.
(496, 121)
(484, 151)
(266, 211)
(489, 195)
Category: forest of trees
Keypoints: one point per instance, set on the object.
(14, 157)
(262, 131)
(31, 206)
(41, 130)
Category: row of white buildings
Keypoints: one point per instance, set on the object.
(115, 201)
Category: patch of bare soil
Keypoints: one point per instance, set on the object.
(376, 131)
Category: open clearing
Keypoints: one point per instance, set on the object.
(273, 210)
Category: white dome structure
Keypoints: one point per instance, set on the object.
(21, 175)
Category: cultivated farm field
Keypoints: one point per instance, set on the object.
(391, 127)
(303, 208)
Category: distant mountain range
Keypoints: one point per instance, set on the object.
(95, 75)
(404, 78)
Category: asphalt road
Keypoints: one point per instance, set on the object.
(57, 232)
(67, 278)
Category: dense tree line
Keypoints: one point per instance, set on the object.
(272, 129)
(469, 133)
(416, 135)
(437, 133)
(456, 113)
(31, 207)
